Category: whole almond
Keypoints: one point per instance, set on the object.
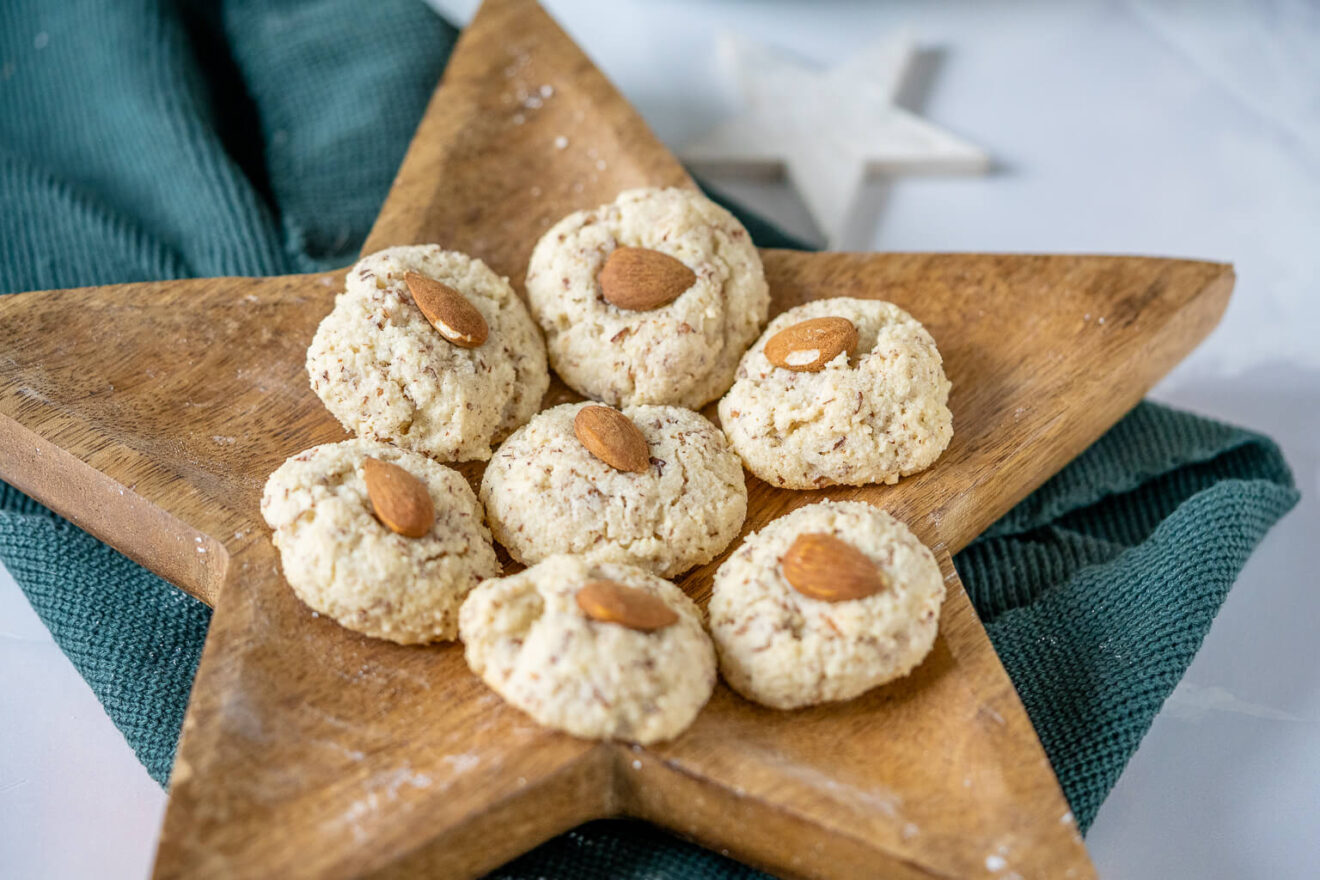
(611, 602)
(807, 346)
(821, 566)
(640, 279)
(613, 438)
(401, 501)
(448, 311)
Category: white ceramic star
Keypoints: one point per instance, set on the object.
(827, 129)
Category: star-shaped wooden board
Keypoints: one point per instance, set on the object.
(151, 414)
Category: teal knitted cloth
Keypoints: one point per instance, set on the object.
(145, 139)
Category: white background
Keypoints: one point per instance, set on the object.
(1173, 129)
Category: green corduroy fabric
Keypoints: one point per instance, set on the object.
(144, 139)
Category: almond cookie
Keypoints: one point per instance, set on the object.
(824, 604)
(390, 371)
(651, 486)
(343, 516)
(649, 299)
(599, 650)
(820, 403)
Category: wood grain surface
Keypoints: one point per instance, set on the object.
(151, 415)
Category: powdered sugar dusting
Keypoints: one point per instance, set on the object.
(382, 788)
(460, 764)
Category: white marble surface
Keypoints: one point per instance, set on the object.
(1169, 128)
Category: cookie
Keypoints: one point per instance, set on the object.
(875, 411)
(387, 373)
(547, 492)
(343, 561)
(839, 627)
(577, 665)
(643, 248)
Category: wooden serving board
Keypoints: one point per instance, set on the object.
(151, 414)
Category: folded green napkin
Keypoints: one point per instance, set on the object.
(150, 139)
